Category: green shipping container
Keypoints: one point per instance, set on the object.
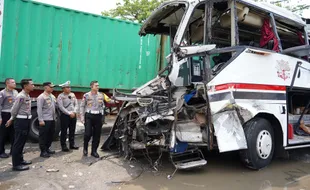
(48, 43)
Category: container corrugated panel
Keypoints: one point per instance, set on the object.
(48, 43)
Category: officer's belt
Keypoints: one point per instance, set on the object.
(24, 116)
(6, 111)
(93, 112)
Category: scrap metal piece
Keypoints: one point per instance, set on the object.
(229, 131)
(188, 131)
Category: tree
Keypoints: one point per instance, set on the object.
(133, 10)
(289, 5)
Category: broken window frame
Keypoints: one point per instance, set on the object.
(306, 36)
(275, 31)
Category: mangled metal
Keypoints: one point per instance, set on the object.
(184, 108)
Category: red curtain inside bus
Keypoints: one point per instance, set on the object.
(267, 35)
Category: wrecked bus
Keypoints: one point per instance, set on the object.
(254, 98)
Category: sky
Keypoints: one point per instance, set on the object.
(96, 6)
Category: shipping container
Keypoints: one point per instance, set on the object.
(48, 43)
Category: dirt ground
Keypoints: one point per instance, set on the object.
(75, 170)
(223, 171)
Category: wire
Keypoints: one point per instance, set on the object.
(127, 181)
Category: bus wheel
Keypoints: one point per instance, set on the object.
(260, 141)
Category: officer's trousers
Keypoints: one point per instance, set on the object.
(67, 122)
(46, 135)
(6, 132)
(93, 125)
(21, 127)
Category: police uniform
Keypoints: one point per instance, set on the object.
(91, 112)
(67, 103)
(21, 115)
(46, 104)
(7, 98)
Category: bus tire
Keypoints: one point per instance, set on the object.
(260, 141)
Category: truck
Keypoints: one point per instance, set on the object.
(50, 43)
(254, 99)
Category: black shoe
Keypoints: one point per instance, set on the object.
(74, 147)
(4, 155)
(20, 168)
(65, 149)
(24, 162)
(95, 154)
(49, 151)
(44, 155)
(85, 152)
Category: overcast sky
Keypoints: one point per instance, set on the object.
(96, 6)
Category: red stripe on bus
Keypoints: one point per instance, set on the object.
(250, 87)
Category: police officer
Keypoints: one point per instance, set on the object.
(46, 104)
(91, 111)
(68, 105)
(21, 114)
(7, 98)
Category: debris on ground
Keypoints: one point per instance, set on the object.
(52, 170)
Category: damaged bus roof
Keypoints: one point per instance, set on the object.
(153, 26)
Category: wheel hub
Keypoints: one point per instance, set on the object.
(264, 144)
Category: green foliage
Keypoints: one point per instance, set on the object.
(294, 8)
(133, 10)
(139, 10)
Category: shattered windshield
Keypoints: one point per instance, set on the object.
(165, 19)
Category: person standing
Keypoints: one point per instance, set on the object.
(46, 104)
(68, 106)
(21, 115)
(7, 98)
(91, 111)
